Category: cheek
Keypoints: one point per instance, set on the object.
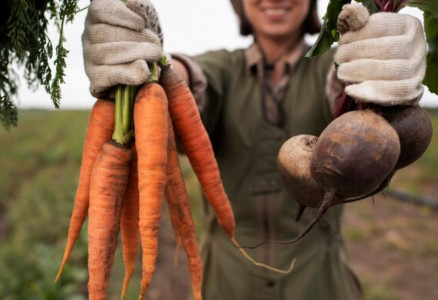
(298, 18)
(300, 13)
(250, 10)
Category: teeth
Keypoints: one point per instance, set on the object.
(275, 11)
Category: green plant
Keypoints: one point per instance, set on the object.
(329, 33)
(24, 40)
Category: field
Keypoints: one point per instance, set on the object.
(390, 243)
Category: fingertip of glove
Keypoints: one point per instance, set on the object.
(353, 17)
(135, 5)
(98, 93)
(135, 73)
(115, 12)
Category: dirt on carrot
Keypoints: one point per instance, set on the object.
(180, 213)
(107, 192)
(99, 131)
(129, 223)
(151, 136)
(196, 144)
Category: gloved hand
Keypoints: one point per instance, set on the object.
(383, 56)
(117, 41)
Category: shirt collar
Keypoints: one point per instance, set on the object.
(254, 57)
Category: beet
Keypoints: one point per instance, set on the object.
(352, 157)
(414, 129)
(355, 153)
(294, 165)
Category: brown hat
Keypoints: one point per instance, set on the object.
(311, 24)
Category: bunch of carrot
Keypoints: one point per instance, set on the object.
(128, 167)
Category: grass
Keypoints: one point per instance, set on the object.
(39, 167)
(381, 291)
(38, 175)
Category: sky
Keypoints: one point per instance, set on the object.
(190, 26)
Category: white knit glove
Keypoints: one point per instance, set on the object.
(117, 41)
(383, 56)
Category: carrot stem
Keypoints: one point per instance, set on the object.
(124, 105)
(154, 72)
(126, 109)
(118, 132)
(163, 61)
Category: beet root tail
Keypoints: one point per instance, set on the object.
(325, 204)
(300, 212)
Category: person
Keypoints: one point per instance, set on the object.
(252, 100)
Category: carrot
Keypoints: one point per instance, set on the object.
(180, 214)
(197, 146)
(129, 223)
(150, 122)
(99, 131)
(107, 191)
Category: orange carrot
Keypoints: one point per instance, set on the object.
(150, 122)
(129, 223)
(197, 146)
(180, 214)
(107, 192)
(99, 131)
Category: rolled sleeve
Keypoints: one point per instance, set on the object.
(197, 80)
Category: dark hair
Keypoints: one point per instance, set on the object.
(311, 24)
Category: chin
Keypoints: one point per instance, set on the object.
(280, 34)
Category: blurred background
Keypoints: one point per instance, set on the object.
(190, 26)
(390, 239)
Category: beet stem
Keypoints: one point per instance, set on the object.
(400, 5)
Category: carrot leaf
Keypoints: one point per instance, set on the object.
(25, 43)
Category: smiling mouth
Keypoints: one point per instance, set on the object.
(275, 11)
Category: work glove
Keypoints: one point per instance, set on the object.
(118, 41)
(382, 57)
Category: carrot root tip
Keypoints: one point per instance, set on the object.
(259, 264)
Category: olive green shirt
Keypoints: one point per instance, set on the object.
(246, 145)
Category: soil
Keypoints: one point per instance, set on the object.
(393, 248)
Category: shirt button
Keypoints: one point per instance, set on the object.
(270, 283)
(273, 182)
(278, 136)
